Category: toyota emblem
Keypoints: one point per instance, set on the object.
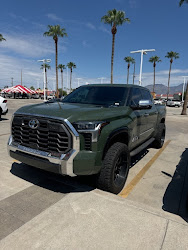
(33, 123)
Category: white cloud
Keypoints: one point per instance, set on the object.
(32, 75)
(23, 19)
(102, 28)
(162, 77)
(54, 17)
(91, 26)
(31, 45)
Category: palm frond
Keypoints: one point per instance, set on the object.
(182, 1)
(172, 55)
(129, 59)
(154, 59)
(71, 65)
(55, 31)
(2, 38)
(115, 17)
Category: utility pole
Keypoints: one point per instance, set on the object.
(12, 81)
(44, 61)
(143, 52)
(21, 77)
(102, 78)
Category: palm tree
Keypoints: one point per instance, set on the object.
(182, 1)
(171, 55)
(114, 18)
(71, 65)
(61, 67)
(55, 31)
(45, 66)
(128, 60)
(154, 60)
(2, 38)
(184, 109)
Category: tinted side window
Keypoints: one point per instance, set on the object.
(146, 95)
(135, 97)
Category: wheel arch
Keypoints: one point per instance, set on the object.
(118, 135)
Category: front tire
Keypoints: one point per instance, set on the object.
(115, 169)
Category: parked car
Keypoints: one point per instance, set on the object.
(173, 103)
(95, 130)
(34, 96)
(158, 101)
(3, 106)
(49, 97)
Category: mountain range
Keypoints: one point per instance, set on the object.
(162, 89)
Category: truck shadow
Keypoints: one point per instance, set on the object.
(175, 199)
(50, 181)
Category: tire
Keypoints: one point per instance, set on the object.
(115, 168)
(0, 112)
(160, 136)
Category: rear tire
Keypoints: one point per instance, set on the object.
(115, 168)
(160, 136)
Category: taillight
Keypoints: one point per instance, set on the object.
(4, 101)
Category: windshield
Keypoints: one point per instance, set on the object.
(98, 95)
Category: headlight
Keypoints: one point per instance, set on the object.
(90, 126)
(94, 128)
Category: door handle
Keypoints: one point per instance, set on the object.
(146, 114)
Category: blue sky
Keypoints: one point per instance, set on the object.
(161, 25)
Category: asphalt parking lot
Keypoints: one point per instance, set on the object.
(39, 210)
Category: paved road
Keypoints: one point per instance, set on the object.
(39, 210)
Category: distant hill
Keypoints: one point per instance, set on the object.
(162, 89)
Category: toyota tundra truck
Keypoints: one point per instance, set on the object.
(95, 130)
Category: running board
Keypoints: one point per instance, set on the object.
(141, 147)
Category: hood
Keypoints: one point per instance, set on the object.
(75, 112)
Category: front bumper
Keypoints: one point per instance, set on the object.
(5, 112)
(44, 160)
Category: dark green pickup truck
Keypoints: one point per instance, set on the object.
(95, 130)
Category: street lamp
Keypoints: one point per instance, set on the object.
(183, 88)
(143, 52)
(44, 61)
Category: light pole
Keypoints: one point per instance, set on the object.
(78, 81)
(183, 88)
(102, 78)
(143, 52)
(44, 61)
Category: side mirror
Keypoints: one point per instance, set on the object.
(145, 104)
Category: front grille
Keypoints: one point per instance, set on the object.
(50, 135)
(87, 141)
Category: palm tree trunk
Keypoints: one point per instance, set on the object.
(134, 73)
(184, 110)
(62, 80)
(153, 79)
(128, 74)
(169, 81)
(56, 59)
(70, 79)
(112, 57)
